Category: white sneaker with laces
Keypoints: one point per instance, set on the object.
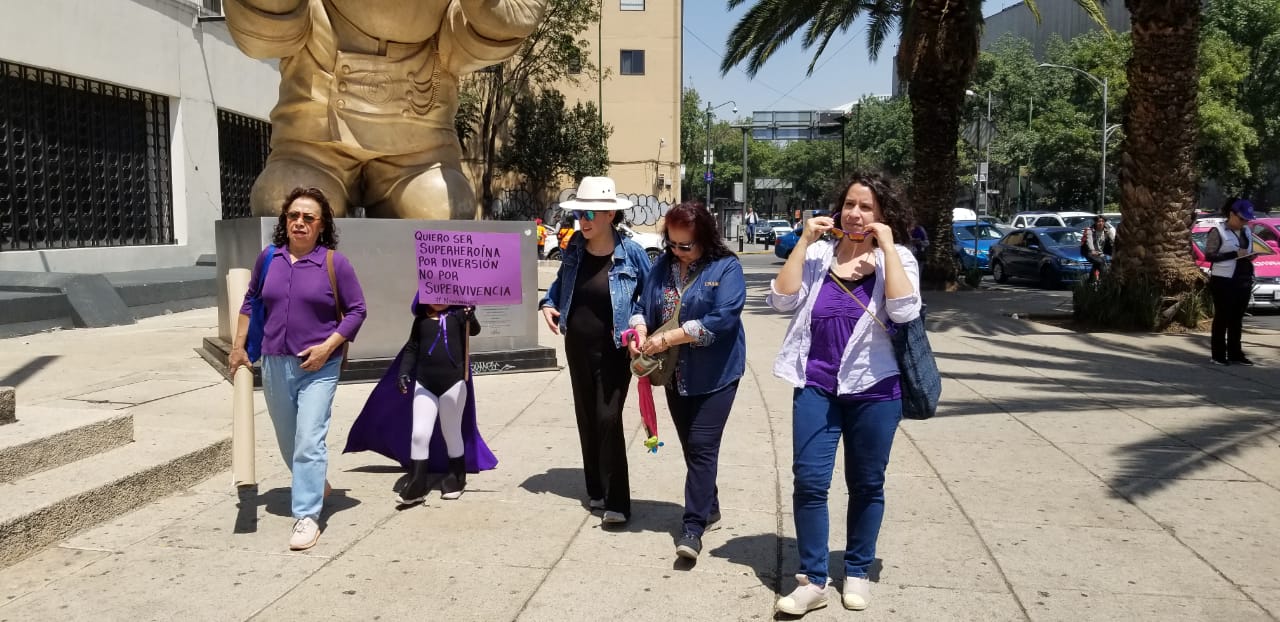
(305, 535)
(805, 598)
(857, 593)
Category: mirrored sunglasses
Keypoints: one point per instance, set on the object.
(854, 236)
(681, 247)
(584, 214)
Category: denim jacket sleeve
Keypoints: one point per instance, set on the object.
(730, 296)
(552, 299)
(652, 279)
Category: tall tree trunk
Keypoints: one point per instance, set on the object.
(938, 54)
(1157, 169)
(489, 138)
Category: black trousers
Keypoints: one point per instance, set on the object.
(700, 421)
(601, 375)
(1230, 300)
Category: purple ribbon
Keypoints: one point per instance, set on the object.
(443, 332)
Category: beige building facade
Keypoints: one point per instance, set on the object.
(638, 45)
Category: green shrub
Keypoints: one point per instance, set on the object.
(1137, 306)
(973, 277)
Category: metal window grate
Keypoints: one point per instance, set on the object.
(82, 163)
(243, 144)
(213, 7)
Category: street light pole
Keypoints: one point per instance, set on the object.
(708, 157)
(1103, 85)
(986, 181)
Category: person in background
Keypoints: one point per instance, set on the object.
(566, 231)
(751, 219)
(1099, 244)
(542, 236)
(590, 303)
(1229, 247)
(301, 344)
(919, 242)
(701, 272)
(839, 357)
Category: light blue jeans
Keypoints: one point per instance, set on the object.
(300, 404)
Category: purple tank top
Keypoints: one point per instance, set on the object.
(831, 326)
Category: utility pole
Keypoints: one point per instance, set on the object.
(710, 156)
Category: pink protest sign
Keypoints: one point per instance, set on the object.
(468, 267)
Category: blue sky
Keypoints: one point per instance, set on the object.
(843, 74)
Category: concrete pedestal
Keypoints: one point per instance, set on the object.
(384, 256)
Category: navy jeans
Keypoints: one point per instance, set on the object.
(699, 421)
(818, 422)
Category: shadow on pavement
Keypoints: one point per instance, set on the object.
(22, 374)
(763, 553)
(277, 501)
(1149, 465)
(657, 516)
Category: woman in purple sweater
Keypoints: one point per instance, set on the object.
(846, 292)
(306, 324)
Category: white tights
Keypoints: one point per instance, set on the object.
(449, 407)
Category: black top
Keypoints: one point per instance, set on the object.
(592, 307)
(427, 358)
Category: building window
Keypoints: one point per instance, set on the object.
(212, 7)
(82, 163)
(243, 144)
(632, 62)
(632, 5)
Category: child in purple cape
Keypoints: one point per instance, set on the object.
(422, 413)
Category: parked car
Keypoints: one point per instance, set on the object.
(782, 248)
(973, 240)
(1050, 255)
(1266, 268)
(1052, 219)
(771, 230)
(652, 243)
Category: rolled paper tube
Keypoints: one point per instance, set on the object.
(243, 466)
(237, 285)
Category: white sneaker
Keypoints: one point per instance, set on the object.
(613, 518)
(805, 598)
(305, 534)
(857, 593)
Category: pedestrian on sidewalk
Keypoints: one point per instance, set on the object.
(1098, 246)
(1229, 247)
(704, 277)
(435, 367)
(314, 305)
(751, 219)
(838, 355)
(601, 273)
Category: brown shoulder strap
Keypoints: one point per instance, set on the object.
(333, 283)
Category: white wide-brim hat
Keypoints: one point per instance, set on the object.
(597, 194)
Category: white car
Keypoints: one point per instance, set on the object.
(778, 228)
(1053, 219)
(651, 242)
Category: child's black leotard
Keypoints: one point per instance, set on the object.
(438, 360)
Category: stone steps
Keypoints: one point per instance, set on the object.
(45, 507)
(47, 438)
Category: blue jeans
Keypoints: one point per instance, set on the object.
(818, 422)
(300, 403)
(699, 421)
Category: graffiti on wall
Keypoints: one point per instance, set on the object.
(520, 204)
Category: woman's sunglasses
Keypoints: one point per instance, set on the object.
(583, 214)
(854, 236)
(681, 247)
(307, 218)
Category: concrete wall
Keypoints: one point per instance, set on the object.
(156, 46)
(644, 110)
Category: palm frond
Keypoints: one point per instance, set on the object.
(769, 24)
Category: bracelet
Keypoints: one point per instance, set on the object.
(665, 345)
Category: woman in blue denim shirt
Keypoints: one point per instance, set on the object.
(590, 303)
(712, 360)
(845, 291)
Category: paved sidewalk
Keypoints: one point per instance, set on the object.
(1067, 477)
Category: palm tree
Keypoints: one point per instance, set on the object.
(1157, 170)
(937, 54)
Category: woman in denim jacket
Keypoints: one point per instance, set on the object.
(847, 293)
(590, 303)
(713, 358)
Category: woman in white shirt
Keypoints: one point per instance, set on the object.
(1229, 247)
(847, 293)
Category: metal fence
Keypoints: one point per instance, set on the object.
(82, 163)
(243, 144)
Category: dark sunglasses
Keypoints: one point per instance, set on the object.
(681, 247)
(583, 214)
(307, 218)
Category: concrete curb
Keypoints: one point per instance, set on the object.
(26, 534)
(56, 442)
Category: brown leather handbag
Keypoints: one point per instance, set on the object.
(337, 301)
